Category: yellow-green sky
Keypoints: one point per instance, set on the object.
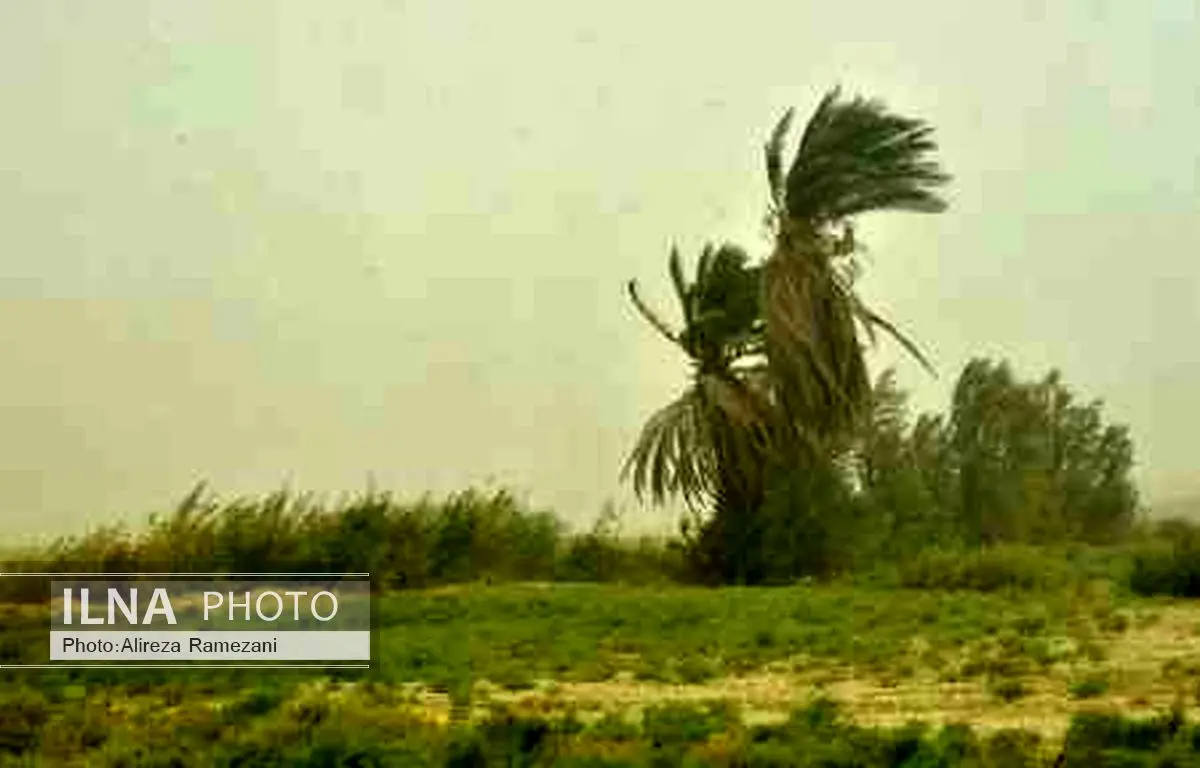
(300, 241)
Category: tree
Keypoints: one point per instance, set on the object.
(854, 157)
(1033, 464)
(981, 420)
(899, 506)
(709, 445)
(881, 444)
(779, 377)
(1017, 461)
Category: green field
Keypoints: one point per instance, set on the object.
(611, 675)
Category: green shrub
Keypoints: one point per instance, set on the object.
(987, 570)
(677, 724)
(697, 669)
(1089, 687)
(1096, 739)
(1167, 567)
(23, 713)
(256, 702)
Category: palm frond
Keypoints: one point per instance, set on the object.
(649, 314)
(723, 423)
(871, 319)
(774, 155)
(675, 266)
(855, 156)
(674, 453)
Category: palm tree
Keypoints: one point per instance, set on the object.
(854, 157)
(779, 375)
(710, 444)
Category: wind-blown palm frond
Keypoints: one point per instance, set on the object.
(774, 153)
(719, 425)
(675, 266)
(871, 319)
(855, 156)
(723, 308)
(674, 453)
(650, 315)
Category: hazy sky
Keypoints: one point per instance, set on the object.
(295, 241)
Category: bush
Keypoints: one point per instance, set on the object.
(675, 724)
(23, 712)
(1089, 687)
(987, 570)
(1095, 739)
(1168, 566)
(468, 536)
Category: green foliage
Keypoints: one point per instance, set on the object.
(603, 554)
(677, 724)
(1089, 687)
(469, 536)
(1033, 464)
(810, 523)
(903, 478)
(584, 633)
(1110, 740)
(1168, 563)
(369, 733)
(1015, 463)
(24, 713)
(987, 570)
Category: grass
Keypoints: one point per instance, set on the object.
(590, 632)
(603, 656)
(585, 633)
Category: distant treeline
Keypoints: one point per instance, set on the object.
(995, 494)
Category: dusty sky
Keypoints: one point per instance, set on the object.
(298, 242)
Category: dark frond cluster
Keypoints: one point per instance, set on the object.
(855, 157)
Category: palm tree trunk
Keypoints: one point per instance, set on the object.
(738, 510)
